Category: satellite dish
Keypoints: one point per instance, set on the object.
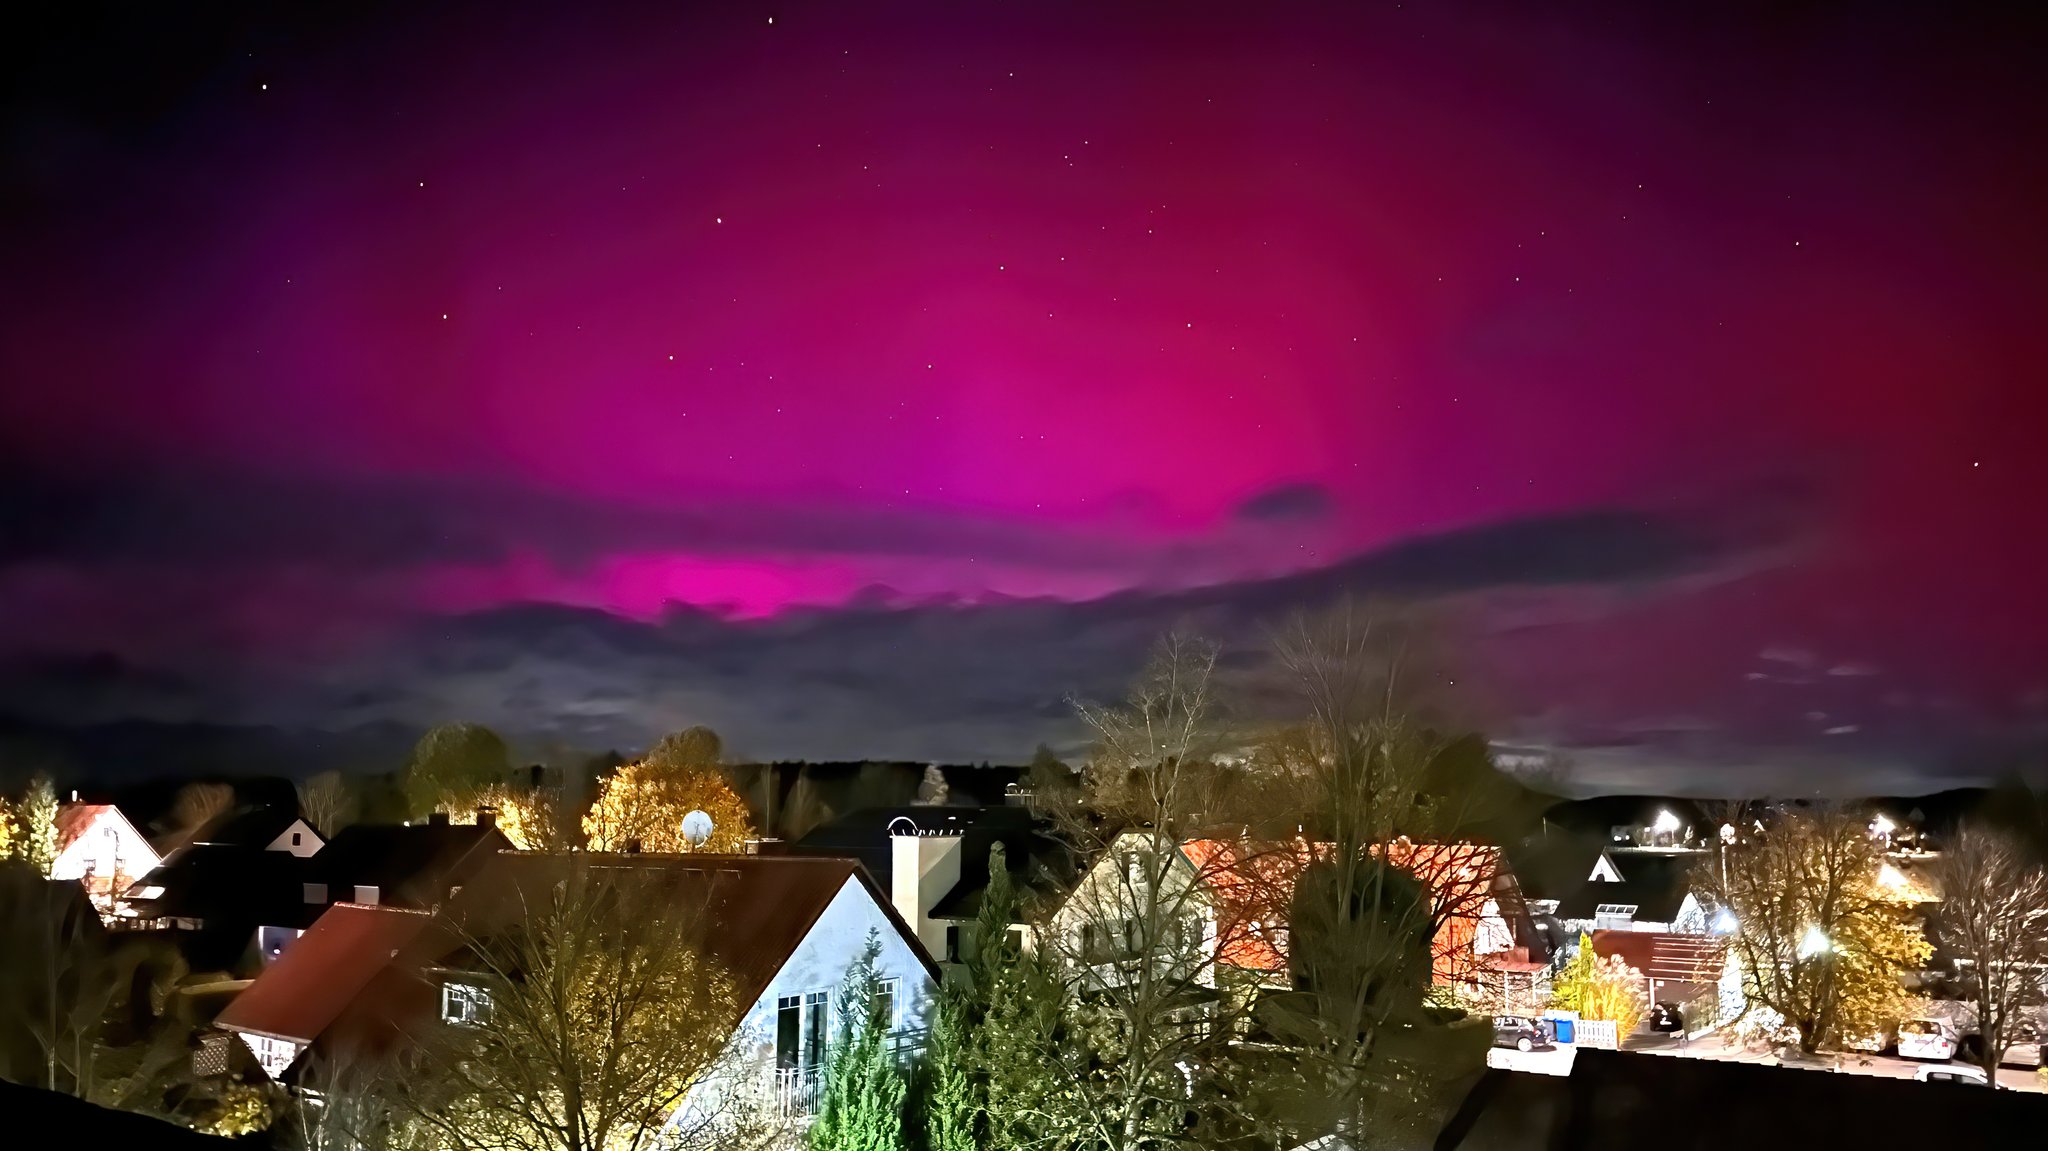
(697, 829)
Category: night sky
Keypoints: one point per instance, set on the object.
(864, 379)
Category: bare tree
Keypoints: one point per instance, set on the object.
(1994, 920)
(594, 1013)
(1820, 938)
(197, 803)
(327, 802)
(1130, 945)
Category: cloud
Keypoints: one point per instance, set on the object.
(376, 524)
(1286, 503)
(949, 680)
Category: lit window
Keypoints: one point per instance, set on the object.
(465, 1004)
(365, 894)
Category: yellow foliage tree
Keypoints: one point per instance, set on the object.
(526, 815)
(1601, 988)
(646, 802)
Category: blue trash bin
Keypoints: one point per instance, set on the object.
(1562, 1028)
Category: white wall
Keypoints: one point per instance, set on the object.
(108, 846)
(922, 869)
(820, 963)
(309, 840)
(1104, 898)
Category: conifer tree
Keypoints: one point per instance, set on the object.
(861, 1108)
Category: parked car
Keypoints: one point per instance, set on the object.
(1953, 1073)
(1933, 1039)
(1520, 1033)
(1667, 1017)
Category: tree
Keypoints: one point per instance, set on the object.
(1820, 938)
(1380, 885)
(949, 1101)
(197, 803)
(861, 1105)
(526, 815)
(327, 802)
(1994, 921)
(932, 789)
(602, 1011)
(1137, 1011)
(451, 764)
(645, 803)
(691, 747)
(36, 819)
(1600, 988)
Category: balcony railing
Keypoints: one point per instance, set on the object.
(796, 1091)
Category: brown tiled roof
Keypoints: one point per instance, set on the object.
(758, 908)
(321, 974)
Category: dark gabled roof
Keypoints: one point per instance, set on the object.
(1553, 866)
(222, 881)
(1656, 883)
(864, 834)
(320, 976)
(411, 865)
(1041, 871)
(251, 825)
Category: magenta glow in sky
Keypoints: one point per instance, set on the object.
(883, 305)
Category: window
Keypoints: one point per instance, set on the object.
(800, 1030)
(1016, 937)
(316, 893)
(465, 1004)
(365, 893)
(295, 839)
(887, 997)
(952, 943)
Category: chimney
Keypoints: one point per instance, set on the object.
(923, 865)
(437, 819)
(487, 817)
(632, 847)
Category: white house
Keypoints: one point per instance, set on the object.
(786, 930)
(1143, 895)
(97, 846)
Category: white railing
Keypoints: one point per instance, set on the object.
(796, 1091)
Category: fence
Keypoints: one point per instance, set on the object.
(1596, 1033)
(796, 1091)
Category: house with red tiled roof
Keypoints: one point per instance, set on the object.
(1471, 902)
(99, 847)
(784, 929)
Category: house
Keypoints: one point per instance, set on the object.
(785, 929)
(1686, 969)
(100, 848)
(252, 881)
(1637, 890)
(1475, 909)
(1143, 884)
(934, 862)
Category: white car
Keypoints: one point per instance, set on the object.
(1931, 1039)
(1953, 1073)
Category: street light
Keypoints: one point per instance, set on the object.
(1665, 822)
(1724, 922)
(1814, 942)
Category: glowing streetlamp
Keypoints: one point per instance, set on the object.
(1724, 922)
(1665, 822)
(1814, 942)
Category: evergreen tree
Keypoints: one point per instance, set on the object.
(37, 821)
(1014, 1011)
(952, 1098)
(861, 1107)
